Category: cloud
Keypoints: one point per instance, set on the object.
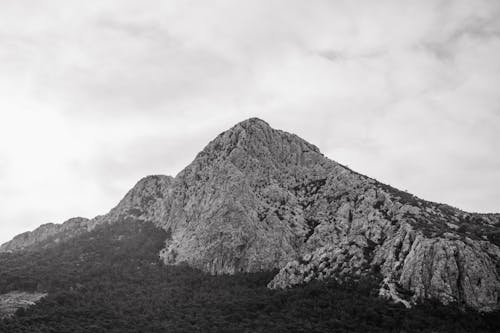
(96, 95)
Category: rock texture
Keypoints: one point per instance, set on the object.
(257, 198)
(11, 302)
(145, 201)
(46, 234)
(233, 209)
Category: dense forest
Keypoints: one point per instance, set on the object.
(110, 280)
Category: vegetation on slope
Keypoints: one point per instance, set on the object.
(110, 280)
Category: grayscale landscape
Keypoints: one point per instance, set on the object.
(326, 166)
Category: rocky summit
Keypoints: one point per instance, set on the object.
(257, 198)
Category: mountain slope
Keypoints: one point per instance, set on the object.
(46, 234)
(145, 202)
(111, 280)
(257, 198)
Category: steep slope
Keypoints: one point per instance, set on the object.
(145, 201)
(231, 209)
(257, 198)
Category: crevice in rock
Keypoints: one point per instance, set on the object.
(460, 277)
(311, 224)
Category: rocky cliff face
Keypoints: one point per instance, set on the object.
(145, 201)
(232, 209)
(257, 198)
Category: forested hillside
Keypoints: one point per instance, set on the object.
(110, 280)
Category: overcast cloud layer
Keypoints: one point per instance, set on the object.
(95, 95)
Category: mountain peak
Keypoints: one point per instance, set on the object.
(249, 130)
(254, 137)
(143, 201)
(253, 122)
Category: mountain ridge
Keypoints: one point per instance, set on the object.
(256, 198)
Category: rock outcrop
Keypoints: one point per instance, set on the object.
(257, 198)
(46, 234)
(232, 208)
(11, 302)
(145, 201)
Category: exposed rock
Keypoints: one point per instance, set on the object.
(46, 234)
(389, 290)
(232, 208)
(11, 302)
(145, 201)
(453, 270)
(257, 198)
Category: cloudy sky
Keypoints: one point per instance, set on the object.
(96, 94)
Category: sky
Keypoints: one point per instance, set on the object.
(94, 95)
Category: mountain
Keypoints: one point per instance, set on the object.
(145, 201)
(142, 202)
(258, 199)
(47, 234)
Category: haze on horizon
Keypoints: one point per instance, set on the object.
(96, 95)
